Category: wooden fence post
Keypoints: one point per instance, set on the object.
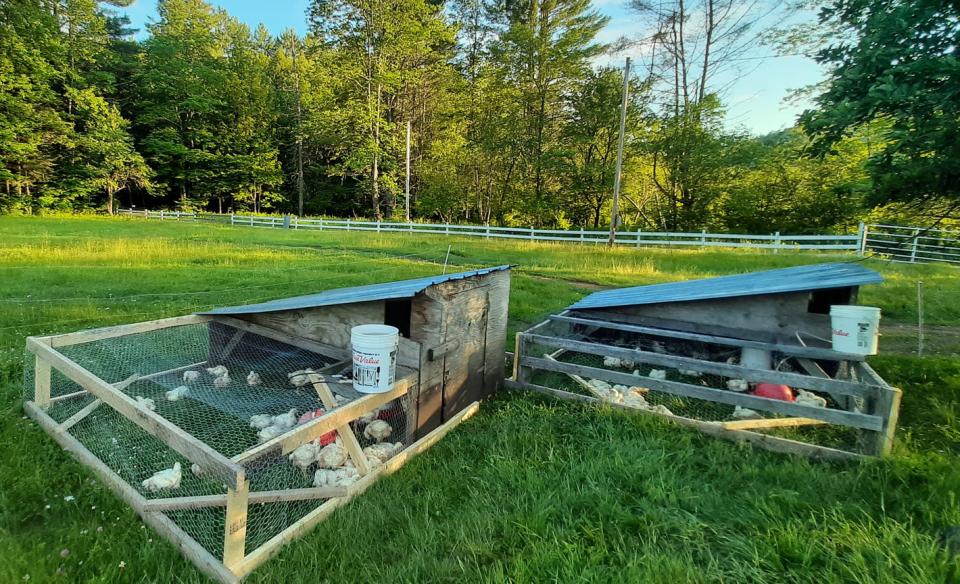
(639, 236)
(235, 524)
(887, 406)
(916, 238)
(348, 224)
(41, 382)
(531, 232)
(862, 239)
(703, 238)
(776, 242)
(519, 372)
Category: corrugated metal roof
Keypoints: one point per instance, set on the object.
(371, 292)
(797, 279)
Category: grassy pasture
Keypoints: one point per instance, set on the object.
(529, 490)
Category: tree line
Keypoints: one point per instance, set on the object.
(511, 118)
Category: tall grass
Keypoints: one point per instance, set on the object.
(530, 490)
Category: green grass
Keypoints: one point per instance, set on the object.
(529, 489)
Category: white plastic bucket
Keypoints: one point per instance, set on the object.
(855, 329)
(374, 357)
(755, 358)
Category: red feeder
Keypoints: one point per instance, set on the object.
(328, 438)
(774, 391)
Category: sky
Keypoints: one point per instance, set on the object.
(754, 101)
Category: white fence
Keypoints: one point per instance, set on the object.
(911, 244)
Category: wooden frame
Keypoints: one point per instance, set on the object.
(237, 561)
(876, 422)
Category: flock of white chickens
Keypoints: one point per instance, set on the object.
(634, 396)
(334, 468)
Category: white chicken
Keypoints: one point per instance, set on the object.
(331, 456)
(197, 470)
(745, 414)
(689, 372)
(301, 377)
(146, 403)
(370, 416)
(221, 382)
(177, 393)
(253, 378)
(168, 478)
(617, 362)
(660, 374)
(270, 432)
(660, 409)
(737, 385)
(305, 455)
(287, 420)
(324, 478)
(218, 371)
(806, 398)
(340, 477)
(634, 400)
(261, 421)
(382, 451)
(189, 376)
(377, 430)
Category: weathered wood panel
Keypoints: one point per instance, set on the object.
(724, 369)
(465, 322)
(833, 416)
(779, 314)
(795, 350)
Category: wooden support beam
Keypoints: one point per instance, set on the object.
(887, 405)
(345, 432)
(306, 523)
(167, 432)
(832, 416)
(193, 551)
(765, 441)
(317, 427)
(793, 350)
(235, 525)
(75, 418)
(253, 498)
(722, 369)
(576, 378)
(519, 350)
(174, 370)
(65, 397)
(109, 332)
(767, 423)
(41, 382)
(310, 345)
(232, 343)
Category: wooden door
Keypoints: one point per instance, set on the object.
(465, 330)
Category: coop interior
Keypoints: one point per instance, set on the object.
(179, 396)
(801, 395)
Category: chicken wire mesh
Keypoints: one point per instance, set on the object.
(639, 395)
(232, 390)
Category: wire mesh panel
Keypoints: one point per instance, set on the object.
(237, 394)
(701, 381)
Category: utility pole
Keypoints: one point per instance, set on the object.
(407, 188)
(615, 212)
